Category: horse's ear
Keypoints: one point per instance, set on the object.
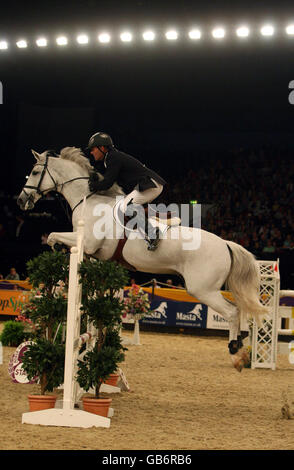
(36, 154)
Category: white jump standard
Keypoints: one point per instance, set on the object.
(265, 344)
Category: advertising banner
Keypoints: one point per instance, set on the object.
(168, 312)
(10, 300)
(173, 307)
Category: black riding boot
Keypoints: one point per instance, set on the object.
(151, 234)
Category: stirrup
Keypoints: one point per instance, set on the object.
(153, 243)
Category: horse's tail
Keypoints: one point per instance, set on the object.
(244, 282)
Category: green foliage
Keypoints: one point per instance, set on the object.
(45, 360)
(48, 269)
(13, 333)
(46, 309)
(96, 366)
(103, 311)
(46, 312)
(98, 277)
(100, 282)
(114, 340)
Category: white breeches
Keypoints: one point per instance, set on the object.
(141, 197)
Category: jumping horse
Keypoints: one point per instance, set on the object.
(214, 262)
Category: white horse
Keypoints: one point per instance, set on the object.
(205, 269)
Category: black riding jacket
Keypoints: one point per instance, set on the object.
(127, 172)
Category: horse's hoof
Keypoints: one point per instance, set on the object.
(245, 358)
(238, 363)
(239, 366)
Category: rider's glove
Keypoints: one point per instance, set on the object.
(93, 181)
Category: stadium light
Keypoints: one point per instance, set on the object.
(218, 33)
(3, 45)
(290, 29)
(194, 34)
(242, 32)
(267, 30)
(126, 36)
(148, 36)
(41, 42)
(82, 39)
(62, 41)
(171, 35)
(22, 44)
(104, 38)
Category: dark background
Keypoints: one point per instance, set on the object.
(172, 105)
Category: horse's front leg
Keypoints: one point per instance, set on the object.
(70, 239)
(66, 238)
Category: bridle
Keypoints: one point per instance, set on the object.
(55, 184)
(37, 188)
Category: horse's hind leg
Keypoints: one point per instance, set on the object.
(229, 311)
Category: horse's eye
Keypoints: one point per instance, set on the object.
(35, 173)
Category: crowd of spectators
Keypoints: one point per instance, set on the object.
(249, 195)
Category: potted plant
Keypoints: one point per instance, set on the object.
(46, 310)
(14, 333)
(136, 305)
(101, 282)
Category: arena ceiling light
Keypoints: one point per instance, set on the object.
(61, 41)
(104, 38)
(22, 44)
(148, 35)
(290, 29)
(126, 36)
(267, 30)
(82, 39)
(171, 35)
(41, 42)
(218, 33)
(194, 34)
(242, 32)
(3, 45)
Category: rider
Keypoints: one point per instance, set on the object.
(140, 183)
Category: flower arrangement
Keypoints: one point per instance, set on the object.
(27, 323)
(136, 304)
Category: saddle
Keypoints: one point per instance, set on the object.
(163, 218)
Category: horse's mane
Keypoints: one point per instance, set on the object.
(76, 155)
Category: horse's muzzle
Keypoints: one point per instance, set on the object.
(24, 202)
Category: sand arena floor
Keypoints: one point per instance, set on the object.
(185, 394)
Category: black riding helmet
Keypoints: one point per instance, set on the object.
(99, 139)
